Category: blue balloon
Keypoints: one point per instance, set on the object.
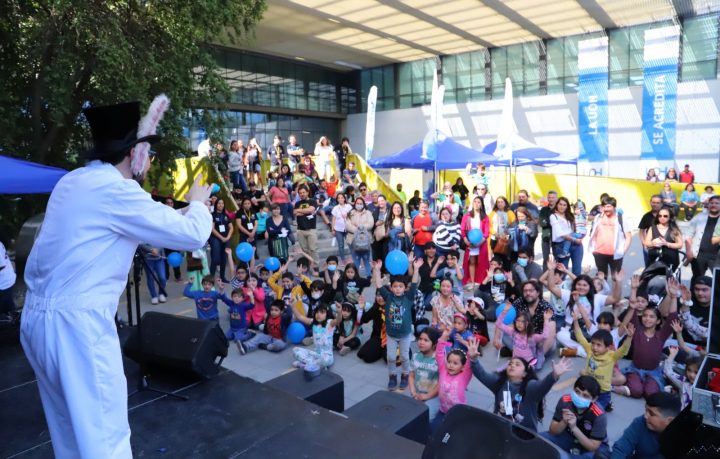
(296, 332)
(510, 316)
(475, 236)
(272, 264)
(397, 262)
(215, 188)
(244, 252)
(414, 213)
(175, 259)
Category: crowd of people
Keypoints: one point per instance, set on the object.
(471, 261)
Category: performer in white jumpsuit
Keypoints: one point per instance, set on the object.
(77, 270)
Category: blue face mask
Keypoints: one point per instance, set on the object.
(522, 262)
(262, 214)
(332, 268)
(499, 277)
(579, 402)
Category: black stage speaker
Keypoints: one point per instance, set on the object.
(178, 343)
(468, 433)
(393, 412)
(326, 390)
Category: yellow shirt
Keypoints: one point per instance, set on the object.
(600, 367)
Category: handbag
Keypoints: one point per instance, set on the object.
(502, 245)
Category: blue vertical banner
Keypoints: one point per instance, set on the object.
(660, 75)
(593, 99)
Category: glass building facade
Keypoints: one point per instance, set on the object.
(273, 95)
(540, 67)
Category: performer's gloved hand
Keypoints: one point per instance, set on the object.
(198, 192)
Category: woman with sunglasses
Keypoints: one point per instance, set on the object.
(664, 239)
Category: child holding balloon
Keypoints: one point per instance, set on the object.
(398, 320)
(525, 341)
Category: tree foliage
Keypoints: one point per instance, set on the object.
(57, 56)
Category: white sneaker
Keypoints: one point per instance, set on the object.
(154, 300)
(162, 298)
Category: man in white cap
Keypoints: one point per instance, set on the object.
(96, 217)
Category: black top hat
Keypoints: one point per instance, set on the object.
(114, 129)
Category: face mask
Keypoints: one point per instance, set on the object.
(579, 402)
(522, 262)
(332, 268)
(499, 277)
(359, 207)
(316, 295)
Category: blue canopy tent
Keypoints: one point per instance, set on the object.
(528, 154)
(450, 155)
(23, 177)
(525, 154)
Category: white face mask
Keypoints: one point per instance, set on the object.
(316, 295)
(359, 207)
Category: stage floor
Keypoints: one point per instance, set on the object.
(228, 416)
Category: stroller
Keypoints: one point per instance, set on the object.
(653, 280)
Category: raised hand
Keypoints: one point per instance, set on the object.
(685, 293)
(630, 330)
(440, 260)
(673, 351)
(635, 282)
(418, 262)
(619, 276)
(676, 326)
(473, 344)
(561, 367)
(673, 287)
(551, 265)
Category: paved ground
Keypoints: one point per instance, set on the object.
(363, 379)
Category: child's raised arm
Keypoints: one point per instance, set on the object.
(438, 262)
(417, 263)
(231, 261)
(377, 280)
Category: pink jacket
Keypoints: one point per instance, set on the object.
(256, 315)
(523, 347)
(451, 387)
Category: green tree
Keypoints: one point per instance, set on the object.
(57, 56)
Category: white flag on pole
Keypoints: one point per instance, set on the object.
(370, 124)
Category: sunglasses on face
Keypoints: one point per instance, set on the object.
(663, 216)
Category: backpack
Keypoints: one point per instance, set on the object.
(362, 241)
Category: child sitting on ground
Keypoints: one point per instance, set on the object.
(644, 375)
(454, 375)
(205, 299)
(460, 334)
(345, 338)
(256, 296)
(525, 341)
(682, 383)
(424, 372)
(322, 330)
(237, 310)
(476, 321)
(519, 395)
(272, 338)
(451, 269)
(600, 360)
(579, 425)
